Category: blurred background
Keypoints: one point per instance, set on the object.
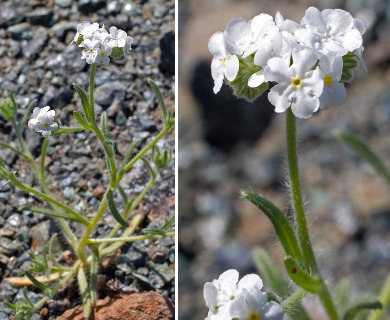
(226, 145)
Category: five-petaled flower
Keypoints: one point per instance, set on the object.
(42, 121)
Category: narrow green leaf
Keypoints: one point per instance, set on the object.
(85, 293)
(160, 99)
(128, 154)
(27, 298)
(157, 232)
(104, 125)
(363, 306)
(282, 226)
(300, 276)
(10, 305)
(65, 130)
(270, 273)
(84, 100)
(114, 211)
(80, 119)
(27, 113)
(169, 223)
(94, 274)
(151, 171)
(52, 213)
(363, 150)
(6, 112)
(36, 282)
(14, 105)
(123, 194)
(5, 145)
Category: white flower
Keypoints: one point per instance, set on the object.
(91, 50)
(42, 120)
(243, 37)
(285, 24)
(224, 63)
(127, 48)
(85, 29)
(298, 86)
(278, 47)
(334, 92)
(329, 30)
(224, 290)
(252, 304)
(103, 55)
(118, 37)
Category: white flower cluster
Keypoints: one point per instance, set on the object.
(305, 60)
(98, 44)
(42, 120)
(228, 298)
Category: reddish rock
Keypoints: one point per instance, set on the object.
(140, 306)
(98, 191)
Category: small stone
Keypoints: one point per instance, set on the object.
(114, 7)
(40, 17)
(34, 47)
(19, 31)
(90, 6)
(60, 29)
(14, 221)
(11, 13)
(63, 3)
(98, 191)
(3, 261)
(40, 235)
(106, 93)
(167, 59)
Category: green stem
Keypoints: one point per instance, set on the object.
(127, 167)
(43, 156)
(134, 224)
(129, 208)
(384, 298)
(91, 90)
(70, 275)
(108, 153)
(130, 239)
(296, 195)
(300, 218)
(53, 201)
(84, 240)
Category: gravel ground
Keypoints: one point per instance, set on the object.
(227, 145)
(36, 62)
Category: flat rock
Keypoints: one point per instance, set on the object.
(140, 306)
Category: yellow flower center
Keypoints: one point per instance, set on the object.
(232, 297)
(45, 124)
(224, 59)
(297, 82)
(253, 315)
(328, 80)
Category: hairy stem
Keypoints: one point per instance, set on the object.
(300, 218)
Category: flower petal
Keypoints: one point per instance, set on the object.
(217, 44)
(304, 104)
(277, 70)
(210, 294)
(314, 18)
(272, 311)
(232, 65)
(280, 97)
